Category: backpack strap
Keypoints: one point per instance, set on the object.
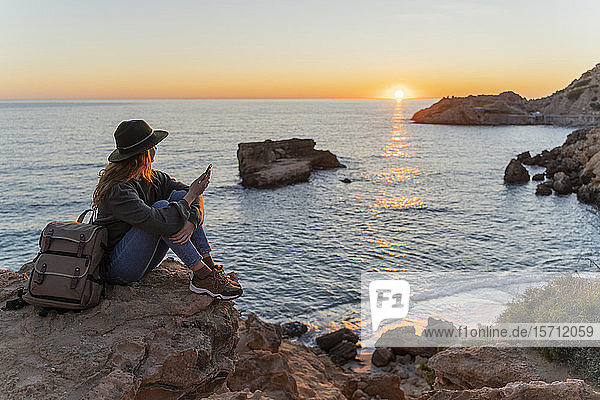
(83, 214)
(41, 273)
(48, 239)
(81, 245)
(17, 303)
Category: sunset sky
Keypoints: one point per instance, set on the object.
(293, 49)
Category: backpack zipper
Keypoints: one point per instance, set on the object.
(65, 253)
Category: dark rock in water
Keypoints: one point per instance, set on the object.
(340, 345)
(562, 183)
(525, 158)
(293, 329)
(283, 162)
(552, 167)
(382, 356)
(573, 167)
(515, 172)
(330, 340)
(575, 181)
(586, 177)
(403, 340)
(576, 136)
(569, 165)
(538, 177)
(343, 352)
(543, 190)
(549, 183)
(588, 195)
(346, 180)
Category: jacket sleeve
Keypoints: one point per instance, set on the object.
(197, 206)
(127, 206)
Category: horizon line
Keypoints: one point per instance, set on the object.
(217, 98)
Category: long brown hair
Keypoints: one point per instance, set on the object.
(135, 167)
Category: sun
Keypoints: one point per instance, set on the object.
(399, 94)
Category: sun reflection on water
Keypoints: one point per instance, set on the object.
(384, 243)
(396, 146)
(399, 202)
(400, 174)
(387, 248)
(399, 140)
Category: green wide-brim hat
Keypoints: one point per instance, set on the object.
(133, 137)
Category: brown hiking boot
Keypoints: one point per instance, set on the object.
(215, 285)
(232, 278)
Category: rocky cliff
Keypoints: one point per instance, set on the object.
(576, 104)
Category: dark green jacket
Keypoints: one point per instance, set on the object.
(129, 204)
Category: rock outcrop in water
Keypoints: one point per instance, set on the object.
(577, 104)
(271, 163)
(515, 172)
(573, 167)
(340, 345)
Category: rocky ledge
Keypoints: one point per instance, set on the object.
(150, 340)
(271, 163)
(575, 105)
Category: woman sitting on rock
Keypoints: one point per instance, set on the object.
(147, 212)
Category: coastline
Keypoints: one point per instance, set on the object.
(575, 105)
(154, 338)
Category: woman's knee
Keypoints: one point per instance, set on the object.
(160, 204)
(177, 195)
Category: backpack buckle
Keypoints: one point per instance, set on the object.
(40, 277)
(75, 278)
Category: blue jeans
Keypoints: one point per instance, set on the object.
(138, 252)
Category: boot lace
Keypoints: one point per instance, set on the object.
(220, 275)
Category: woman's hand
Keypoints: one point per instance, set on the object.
(197, 187)
(184, 234)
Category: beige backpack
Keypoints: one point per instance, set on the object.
(67, 271)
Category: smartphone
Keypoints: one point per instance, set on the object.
(208, 170)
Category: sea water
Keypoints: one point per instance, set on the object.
(425, 200)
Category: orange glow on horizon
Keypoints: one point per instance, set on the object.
(255, 83)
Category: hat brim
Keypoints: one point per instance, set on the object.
(153, 140)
